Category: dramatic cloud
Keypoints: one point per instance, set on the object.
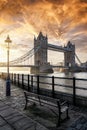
(61, 20)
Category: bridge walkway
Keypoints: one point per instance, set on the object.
(13, 117)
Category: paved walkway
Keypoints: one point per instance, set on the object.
(10, 117)
(13, 115)
(79, 124)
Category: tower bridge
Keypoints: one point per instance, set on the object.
(41, 56)
(40, 53)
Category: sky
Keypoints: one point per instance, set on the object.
(60, 20)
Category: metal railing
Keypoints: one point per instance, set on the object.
(50, 85)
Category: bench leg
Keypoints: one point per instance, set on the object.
(25, 106)
(67, 114)
(59, 118)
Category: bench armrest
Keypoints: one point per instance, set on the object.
(65, 103)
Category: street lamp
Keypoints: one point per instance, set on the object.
(8, 76)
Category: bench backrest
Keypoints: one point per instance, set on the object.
(43, 99)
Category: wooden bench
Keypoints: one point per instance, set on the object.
(53, 104)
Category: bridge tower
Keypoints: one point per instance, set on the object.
(40, 57)
(69, 56)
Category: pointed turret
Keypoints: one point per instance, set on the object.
(40, 36)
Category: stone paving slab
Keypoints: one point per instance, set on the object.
(4, 125)
(79, 124)
(11, 119)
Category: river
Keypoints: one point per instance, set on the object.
(66, 82)
(79, 83)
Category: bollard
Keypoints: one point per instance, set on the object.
(8, 85)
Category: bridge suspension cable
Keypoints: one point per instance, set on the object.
(26, 56)
(77, 58)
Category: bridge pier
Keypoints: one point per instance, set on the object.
(34, 70)
(45, 68)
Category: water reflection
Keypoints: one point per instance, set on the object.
(66, 82)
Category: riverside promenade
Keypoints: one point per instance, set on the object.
(14, 117)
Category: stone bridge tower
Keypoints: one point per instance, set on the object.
(40, 57)
(69, 56)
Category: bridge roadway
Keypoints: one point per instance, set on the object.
(4, 65)
(58, 48)
(59, 66)
(53, 66)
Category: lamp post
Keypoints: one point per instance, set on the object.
(8, 93)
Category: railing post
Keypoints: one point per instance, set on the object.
(32, 82)
(23, 81)
(74, 92)
(38, 88)
(12, 78)
(18, 79)
(53, 93)
(28, 83)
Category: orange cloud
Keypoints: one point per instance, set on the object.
(62, 20)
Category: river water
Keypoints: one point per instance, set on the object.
(79, 83)
(66, 82)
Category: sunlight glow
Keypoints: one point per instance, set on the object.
(61, 20)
